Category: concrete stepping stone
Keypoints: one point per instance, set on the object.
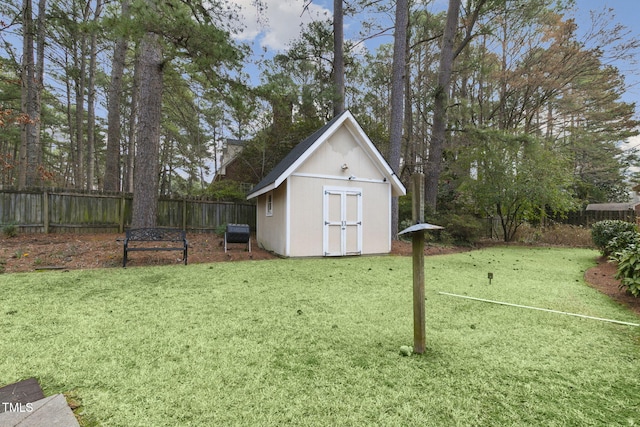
(23, 405)
(52, 411)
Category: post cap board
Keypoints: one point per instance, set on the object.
(420, 227)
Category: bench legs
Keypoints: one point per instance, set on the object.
(185, 254)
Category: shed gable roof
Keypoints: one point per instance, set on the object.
(308, 146)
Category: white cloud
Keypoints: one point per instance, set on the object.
(280, 23)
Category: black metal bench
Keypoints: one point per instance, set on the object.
(142, 235)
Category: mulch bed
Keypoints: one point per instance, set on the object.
(602, 278)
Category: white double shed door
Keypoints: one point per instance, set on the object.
(342, 215)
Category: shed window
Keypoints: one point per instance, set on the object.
(270, 204)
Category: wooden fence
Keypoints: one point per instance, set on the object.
(582, 218)
(55, 211)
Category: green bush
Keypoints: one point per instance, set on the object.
(227, 190)
(603, 232)
(10, 230)
(221, 229)
(622, 241)
(459, 229)
(464, 229)
(629, 269)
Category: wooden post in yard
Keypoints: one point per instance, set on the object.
(417, 243)
(417, 240)
(417, 198)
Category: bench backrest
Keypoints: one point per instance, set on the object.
(155, 234)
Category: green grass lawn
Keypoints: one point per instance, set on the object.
(316, 342)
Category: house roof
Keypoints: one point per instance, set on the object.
(612, 206)
(304, 149)
(239, 142)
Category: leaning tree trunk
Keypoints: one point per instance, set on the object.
(145, 185)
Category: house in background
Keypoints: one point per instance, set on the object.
(621, 211)
(330, 196)
(230, 152)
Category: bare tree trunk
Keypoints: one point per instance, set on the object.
(40, 43)
(91, 114)
(22, 151)
(338, 57)
(80, 178)
(408, 150)
(72, 134)
(133, 128)
(145, 186)
(112, 161)
(30, 103)
(434, 163)
(398, 75)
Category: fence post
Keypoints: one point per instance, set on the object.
(184, 214)
(121, 214)
(45, 211)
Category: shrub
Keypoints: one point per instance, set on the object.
(622, 241)
(629, 269)
(227, 190)
(10, 230)
(567, 235)
(556, 234)
(463, 229)
(221, 229)
(603, 231)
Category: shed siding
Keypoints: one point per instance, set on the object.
(377, 218)
(340, 149)
(271, 230)
(307, 221)
(306, 216)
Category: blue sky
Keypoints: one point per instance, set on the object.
(627, 13)
(284, 20)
